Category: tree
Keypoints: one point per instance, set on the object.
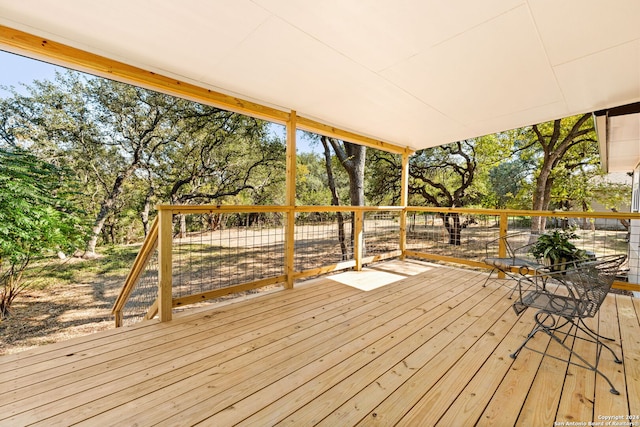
(384, 183)
(132, 147)
(104, 130)
(507, 180)
(439, 176)
(311, 181)
(221, 158)
(442, 176)
(352, 157)
(550, 142)
(221, 155)
(37, 216)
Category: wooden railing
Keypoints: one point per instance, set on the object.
(141, 262)
(602, 233)
(250, 247)
(313, 250)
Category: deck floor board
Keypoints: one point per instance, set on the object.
(431, 348)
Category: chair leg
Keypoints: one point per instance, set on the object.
(542, 324)
(534, 331)
(513, 289)
(539, 326)
(593, 333)
(488, 277)
(594, 336)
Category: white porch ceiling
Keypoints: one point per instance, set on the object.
(415, 73)
(619, 137)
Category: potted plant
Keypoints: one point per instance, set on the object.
(555, 248)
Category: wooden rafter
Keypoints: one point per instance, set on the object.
(32, 46)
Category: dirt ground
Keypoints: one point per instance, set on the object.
(63, 312)
(58, 313)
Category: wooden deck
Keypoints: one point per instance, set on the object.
(431, 347)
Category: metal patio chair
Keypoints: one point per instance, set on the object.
(517, 263)
(563, 300)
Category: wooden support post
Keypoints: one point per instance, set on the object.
(358, 237)
(290, 199)
(119, 318)
(404, 200)
(504, 229)
(165, 278)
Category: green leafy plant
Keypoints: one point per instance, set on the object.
(37, 218)
(555, 247)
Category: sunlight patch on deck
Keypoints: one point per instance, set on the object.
(406, 268)
(367, 279)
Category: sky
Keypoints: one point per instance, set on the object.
(15, 69)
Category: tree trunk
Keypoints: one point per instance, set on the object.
(352, 157)
(90, 251)
(183, 226)
(334, 201)
(357, 155)
(105, 209)
(454, 227)
(146, 208)
(541, 199)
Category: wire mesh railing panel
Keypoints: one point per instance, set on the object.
(465, 235)
(144, 293)
(633, 253)
(219, 250)
(455, 235)
(600, 236)
(381, 231)
(224, 248)
(322, 238)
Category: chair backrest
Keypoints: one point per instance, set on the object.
(590, 282)
(517, 244)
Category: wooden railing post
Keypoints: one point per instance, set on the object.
(291, 162)
(404, 199)
(358, 238)
(165, 274)
(504, 229)
(119, 319)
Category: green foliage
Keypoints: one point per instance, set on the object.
(311, 181)
(507, 181)
(612, 195)
(133, 148)
(442, 176)
(562, 150)
(37, 217)
(556, 247)
(383, 178)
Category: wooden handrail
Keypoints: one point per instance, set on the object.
(515, 212)
(196, 209)
(193, 209)
(142, 259)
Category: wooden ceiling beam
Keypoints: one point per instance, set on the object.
(333, 132)
(29, 45)
(26, 44)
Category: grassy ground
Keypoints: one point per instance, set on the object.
(74, 297)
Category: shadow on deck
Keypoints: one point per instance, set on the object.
(401, 343)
